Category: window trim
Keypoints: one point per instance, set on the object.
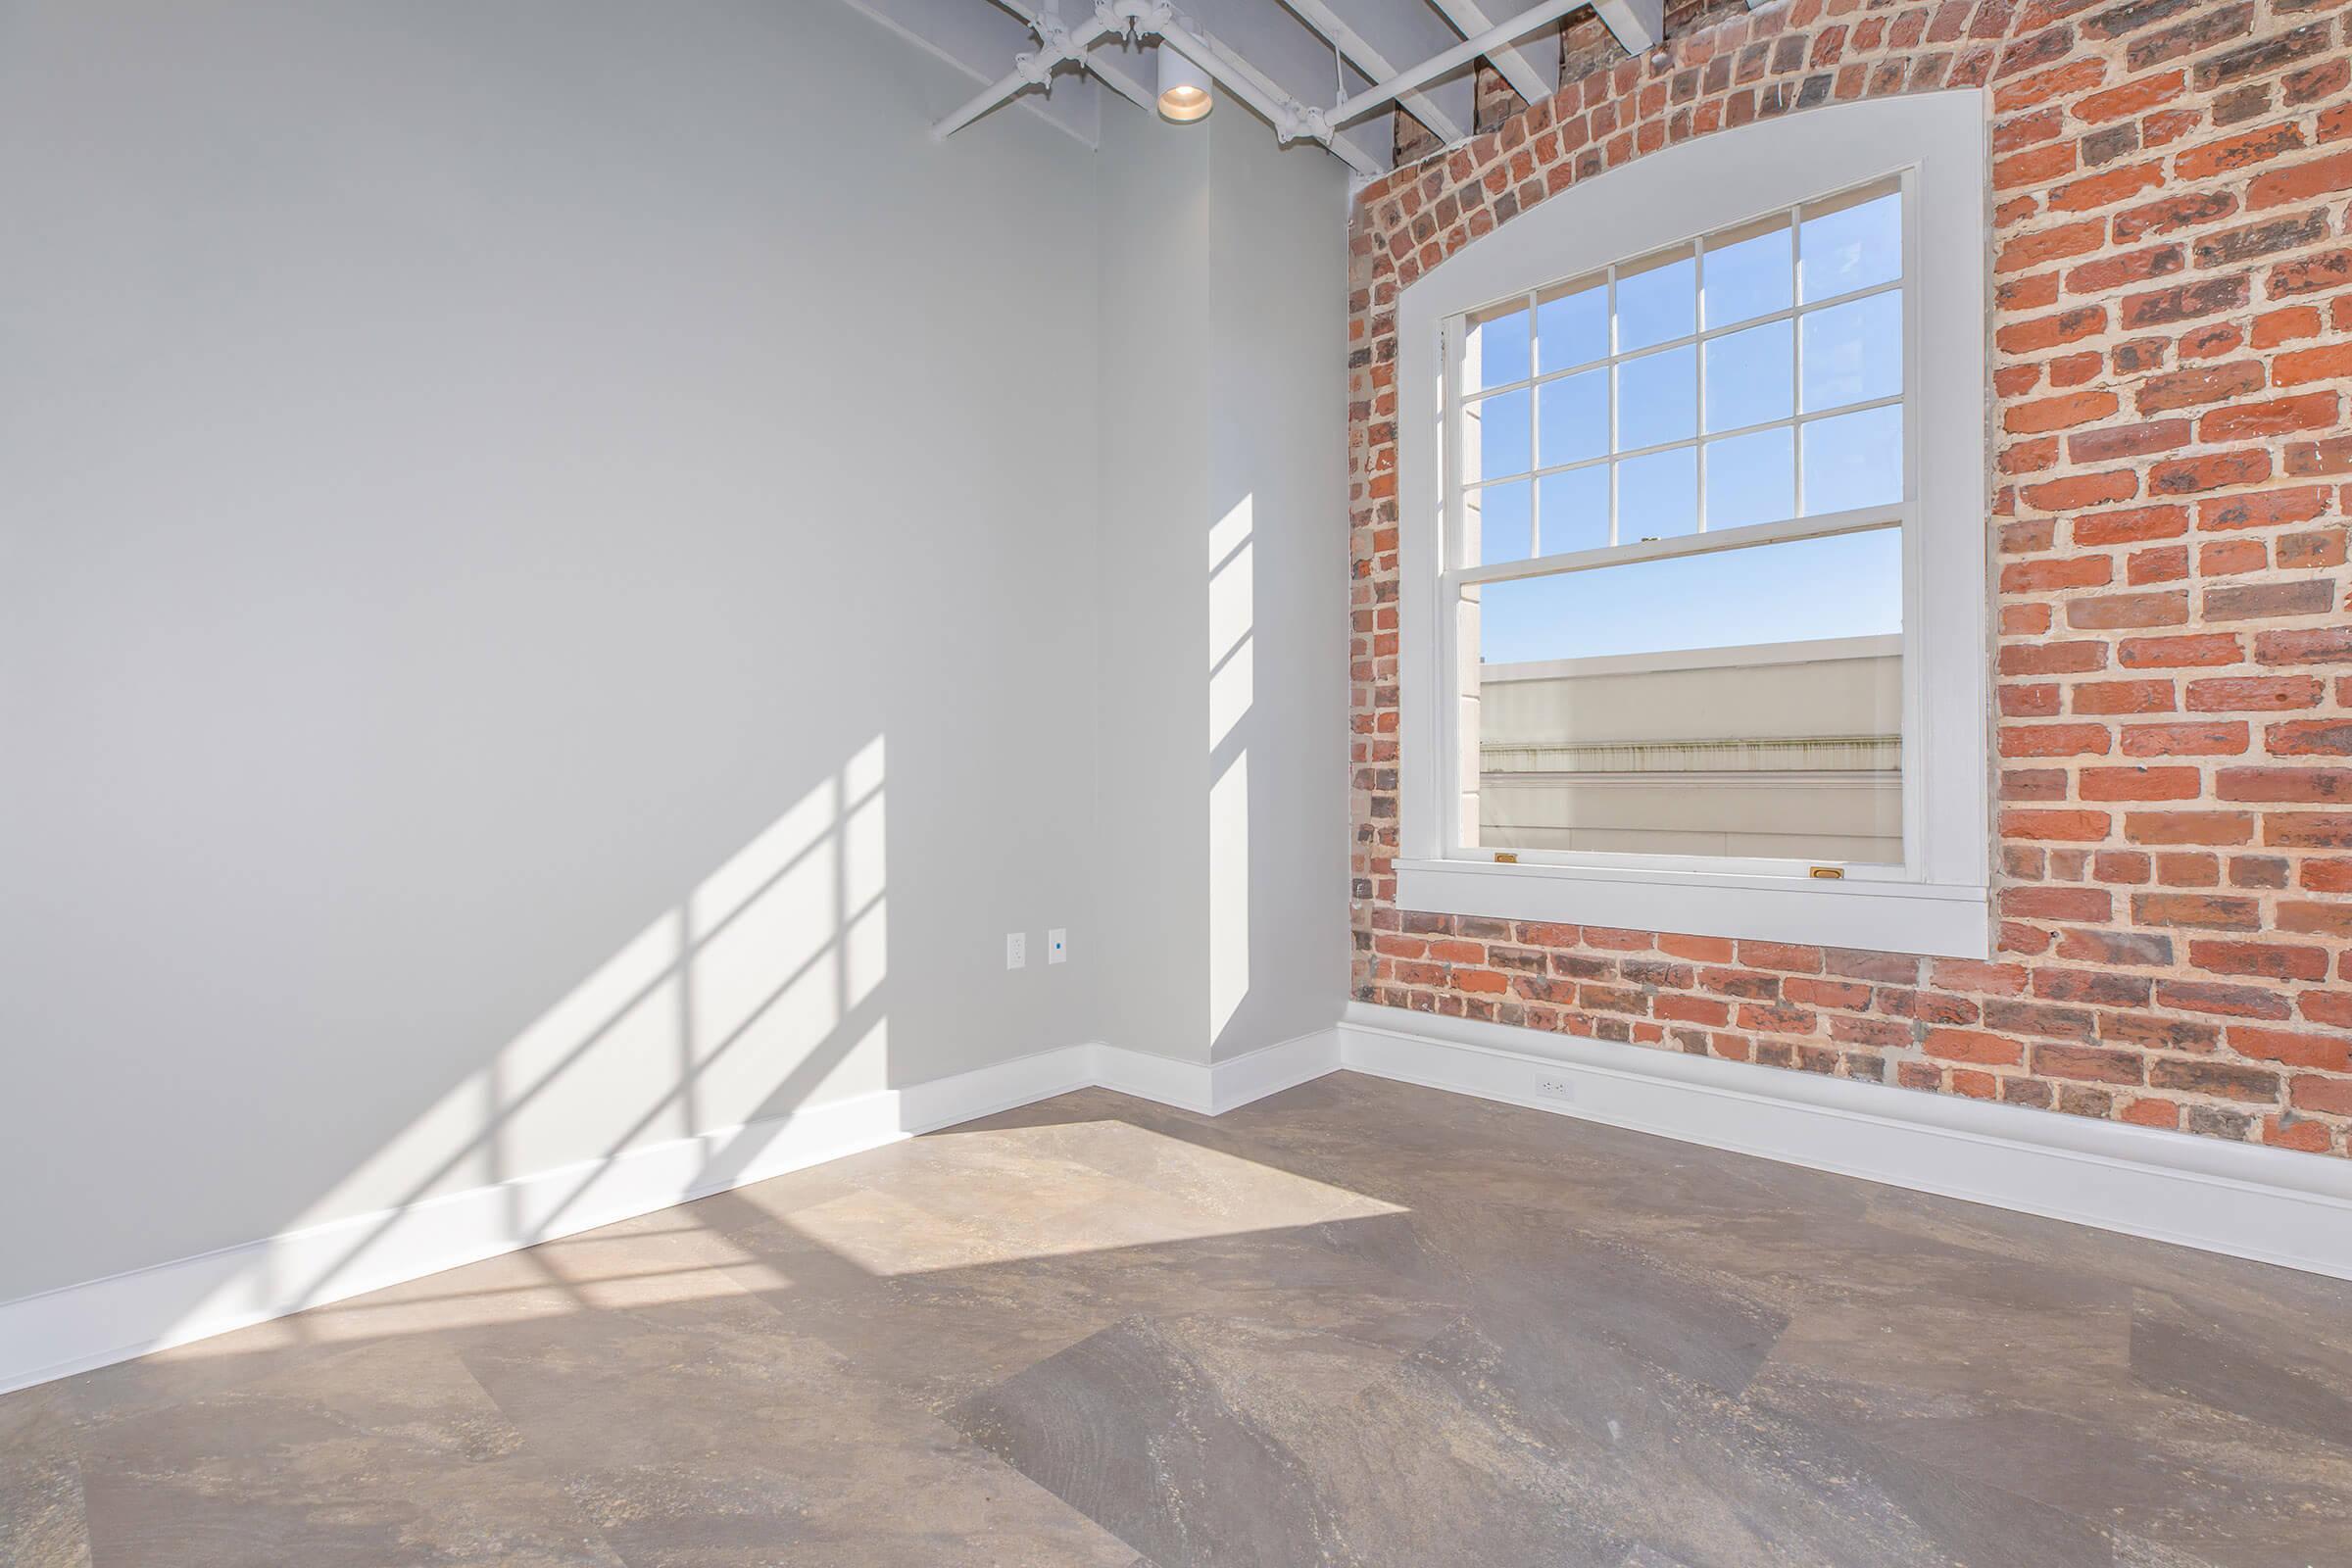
(1938, 902)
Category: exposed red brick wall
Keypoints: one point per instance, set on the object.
(2173, 346)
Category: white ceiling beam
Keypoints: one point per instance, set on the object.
(1374, 64)
(1358, 105)
(1639, 25)
(1525, 79)
(967, 41)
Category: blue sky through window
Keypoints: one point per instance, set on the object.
(1823, 361)
(1846, 585)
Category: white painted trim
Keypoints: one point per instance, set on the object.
(2273, 1206)
(2268, 1205)
(1215, 1088)
(1939, 919)
(1936, 142)
(77, 1327)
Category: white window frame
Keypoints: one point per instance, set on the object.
(1938, 901)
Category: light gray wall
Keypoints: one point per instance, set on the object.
(1152, 590)
(468, 472)
(566, 576)
(1278, 412)
(1223, 602)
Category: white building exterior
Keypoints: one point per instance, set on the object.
(1778, 749)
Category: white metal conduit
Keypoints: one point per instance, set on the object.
(1292, 119)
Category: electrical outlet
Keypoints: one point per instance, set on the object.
(1017, 950)
(1555, 1088)
(1057, 946)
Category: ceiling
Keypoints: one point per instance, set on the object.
(1291, 43)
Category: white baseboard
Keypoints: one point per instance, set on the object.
(1215, 1088)
(2270, 1204)
(2247, 1202)
(77, 1327)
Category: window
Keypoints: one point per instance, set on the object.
(1693, 457)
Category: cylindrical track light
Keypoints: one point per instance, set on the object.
(1184, 87)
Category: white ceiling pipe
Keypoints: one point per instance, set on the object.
(1358, 105)
(1111, 76)
(1374, 64)
(1055, 44)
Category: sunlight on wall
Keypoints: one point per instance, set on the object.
(757, 994)
(1232, 611)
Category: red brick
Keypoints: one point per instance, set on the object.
(2309, 737)
(2245, 421)
(2270, 960)
(2139, 525)
(2322, 645)
(2065, 826)
(2188, 827)
(2223, 738)
(2089, 904)
(2087, 1063)
(2213, 383)
(2054, 739)
(2310, 917)
(2236, 694)
(2122, 696)
(1969, 1044)
(2139, 784)
(2229, 154)
(2224, 1079)
(2331, 363)
(2202, 910)
(2328, 1053)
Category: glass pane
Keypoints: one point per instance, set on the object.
(1751, 478)
(1657, 298)
(1657, 399)
(1494, 351)
(1573, 419)
(1762, 715)
(1852, 241)
(1497, 523)
(1495, 440)
(1750, 377)
(1572, 324)
(1854, 461)
(1657, 496)
(1747, 270)
(1854, 352)
(1572, 510)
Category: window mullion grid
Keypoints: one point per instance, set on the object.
(1839, 411)
(1744, 324)
(1609, 391)
(1747, 536)
(1796, 363)
(1535, 455)
(1699, 355)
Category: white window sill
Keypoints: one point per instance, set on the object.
(1945, 920)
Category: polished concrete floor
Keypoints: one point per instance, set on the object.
(1355, 1323)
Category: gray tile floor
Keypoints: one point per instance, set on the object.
(1355, 1323)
